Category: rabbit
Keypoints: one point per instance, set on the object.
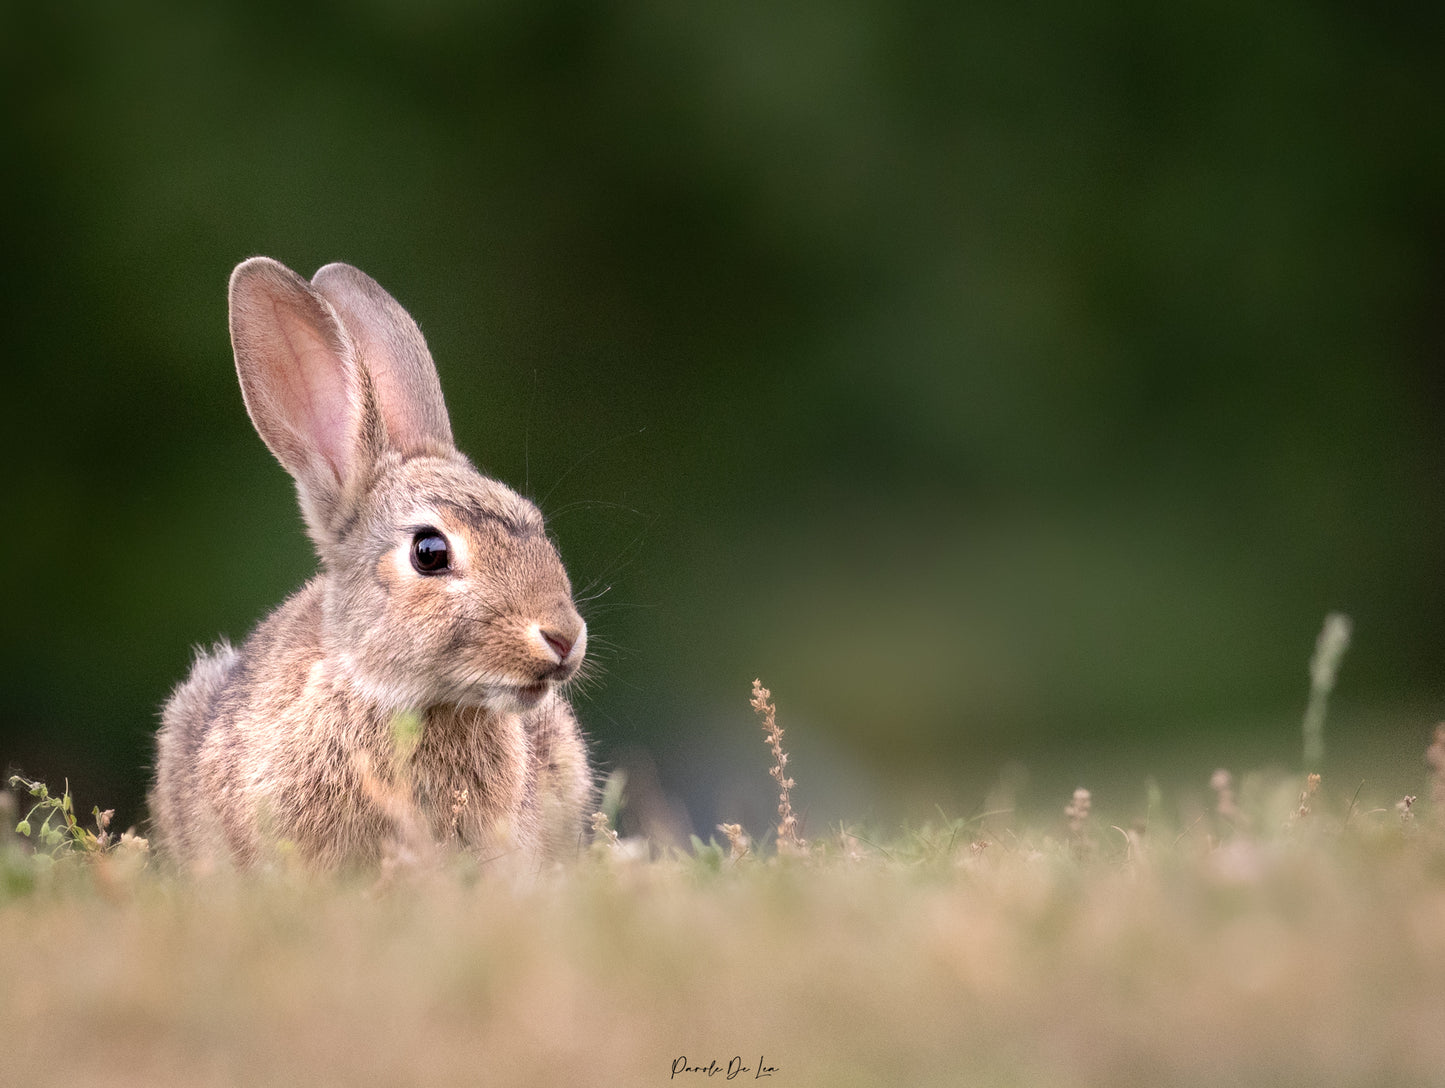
(417, 680)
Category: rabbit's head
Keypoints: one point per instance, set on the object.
(439, 585)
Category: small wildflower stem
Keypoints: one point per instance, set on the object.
(602, 832)
(1306, 798)
(762, 703)
(1405, 808)
(68, 835)
(738, 844)
(1077, 813)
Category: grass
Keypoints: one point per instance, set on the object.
(1290, 933)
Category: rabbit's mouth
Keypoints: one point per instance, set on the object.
(516, 697)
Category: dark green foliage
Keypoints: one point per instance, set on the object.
(1020, 383)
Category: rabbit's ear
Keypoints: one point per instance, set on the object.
(395, 356)
(310, 400)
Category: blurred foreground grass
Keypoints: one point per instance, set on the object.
(1289, 934)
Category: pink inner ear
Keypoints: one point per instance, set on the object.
(405, 427)
(313, 394)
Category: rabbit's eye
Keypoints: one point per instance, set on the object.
(429, 553)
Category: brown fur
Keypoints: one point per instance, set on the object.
(293, 737)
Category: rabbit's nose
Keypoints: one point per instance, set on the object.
(560, 643)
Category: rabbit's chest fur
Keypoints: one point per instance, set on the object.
(471, 776)
(286, 751)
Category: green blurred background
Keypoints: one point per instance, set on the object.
(1004, 385)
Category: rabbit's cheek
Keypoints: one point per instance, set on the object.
(405, 592)
(393, 568)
